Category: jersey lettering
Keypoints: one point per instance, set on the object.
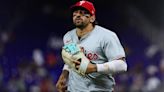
(90, 56)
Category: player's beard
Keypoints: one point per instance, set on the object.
(80, 24)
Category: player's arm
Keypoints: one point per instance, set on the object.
(112, 67)
(61, 84)
(115, 54)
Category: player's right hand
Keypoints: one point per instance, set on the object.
(61, 84)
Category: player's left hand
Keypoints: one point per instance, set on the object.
(90, 68)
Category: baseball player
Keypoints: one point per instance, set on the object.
(92, 54)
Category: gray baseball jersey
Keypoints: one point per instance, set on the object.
(100, 45)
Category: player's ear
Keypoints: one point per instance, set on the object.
(92, 19)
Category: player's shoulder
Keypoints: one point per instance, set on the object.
(104, 31)
(69, 33)
(67, 38)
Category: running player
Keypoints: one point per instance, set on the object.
(100, 45)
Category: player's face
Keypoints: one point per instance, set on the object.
(81, 18)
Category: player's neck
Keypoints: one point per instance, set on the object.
(84, 31)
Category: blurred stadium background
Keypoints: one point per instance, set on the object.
(31, 39)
